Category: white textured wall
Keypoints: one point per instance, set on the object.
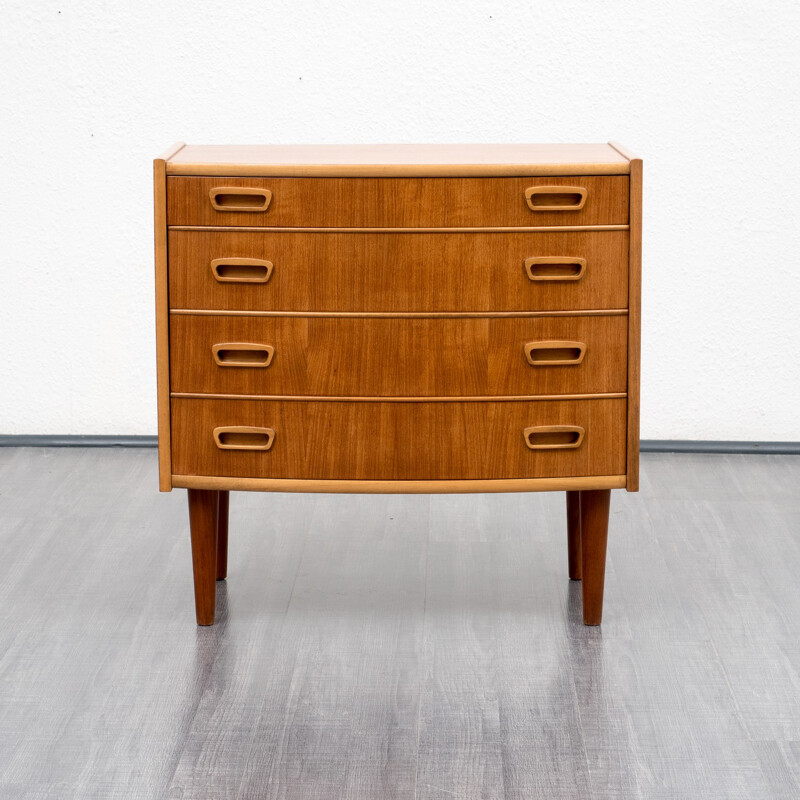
(705, 91)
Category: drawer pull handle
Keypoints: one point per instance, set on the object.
(243, 354)
(237, 198)
(554, 437)
(555, 198)
(554, 354)
(243, 438)
(241, 270)
(554, 268)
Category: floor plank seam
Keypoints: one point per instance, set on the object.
(423, 644)
(252, 744)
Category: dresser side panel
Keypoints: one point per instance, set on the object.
(162, 324)
(634, 323)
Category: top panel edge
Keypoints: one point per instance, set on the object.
(398, 160)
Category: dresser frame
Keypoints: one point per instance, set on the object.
(587, 498)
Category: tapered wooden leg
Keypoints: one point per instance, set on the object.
(574, 535)
(203, 513)
(594, 535)
(222, 536)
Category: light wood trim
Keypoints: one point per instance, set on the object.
(634, 323)
(529, 433)
(264, 194)
(171, 152)
(635, 310)
(267, 349)
(580, 191)
(213, 312)
(243, 430)
(532, 347)
(162, 317)
(496, 229)
(399, 487)
(624, 152)
(241, 262)
(394, 171)
(394, 399)
(530, 263)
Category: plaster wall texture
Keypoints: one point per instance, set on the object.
(705, 92)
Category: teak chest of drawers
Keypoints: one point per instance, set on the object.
(398, 318)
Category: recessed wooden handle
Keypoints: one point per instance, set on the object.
(237, 198)
(243, 354)
(241, 270)
(555, 268)
(554, 354)
(244, 438)
(555, 198)
(554, 437)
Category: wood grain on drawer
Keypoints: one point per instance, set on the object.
(397, 202)
(320, 440)
(387, 357)
(399, 271)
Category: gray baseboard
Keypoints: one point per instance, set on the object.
(50, 440)
(701, 446)
(647, 445)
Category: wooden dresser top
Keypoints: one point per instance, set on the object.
(398, 160)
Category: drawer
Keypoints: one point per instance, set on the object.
(320, 440)
(398, 202)
(425, 272)
(388, 357)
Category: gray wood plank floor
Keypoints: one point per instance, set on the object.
(398, 647)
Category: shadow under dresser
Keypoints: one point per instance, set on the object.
(398, 318)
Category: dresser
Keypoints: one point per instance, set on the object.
(398, 318)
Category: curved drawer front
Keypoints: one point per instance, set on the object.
(397, 202)
(395, 357)
(317, 440)
(423, 272)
